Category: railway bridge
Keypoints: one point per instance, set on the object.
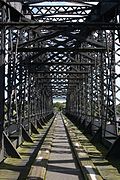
(59, 49)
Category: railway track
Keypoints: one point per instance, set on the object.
(60, 151)
(57, 157)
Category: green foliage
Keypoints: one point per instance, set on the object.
(58, 106)
(118, 109)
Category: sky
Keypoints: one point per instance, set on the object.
(61, 100)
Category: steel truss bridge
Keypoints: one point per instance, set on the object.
(59, 49)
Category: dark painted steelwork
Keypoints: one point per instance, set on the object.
(54, 50)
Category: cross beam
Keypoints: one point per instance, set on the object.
(58, 63)
(62, 25)
(59, 72)
(56, 49)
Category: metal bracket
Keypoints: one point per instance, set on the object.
(10, 150)
(114, 150)
(39, 125)
(33, 129)
(88, 128)
(42, 121)
(97, 136)
(25, 135)
(82, 125)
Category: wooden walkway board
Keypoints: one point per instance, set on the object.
(13, 168)
(103, 166)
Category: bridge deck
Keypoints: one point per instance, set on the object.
(65, 153)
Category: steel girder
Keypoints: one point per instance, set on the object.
(23, 102)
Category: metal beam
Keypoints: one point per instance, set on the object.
(102, 13)
(64, 25)
(57, 83)
(59, 72)
(57, 49)
(58, 63)
(61, 78)
(39, 1)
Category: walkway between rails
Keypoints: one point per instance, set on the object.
(61, 164)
